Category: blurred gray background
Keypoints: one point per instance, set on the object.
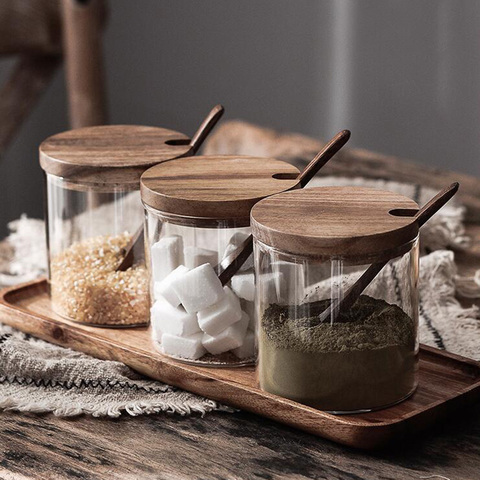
(403, 75)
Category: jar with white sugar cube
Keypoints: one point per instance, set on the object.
(336, 296)
(93, 211)
(197, 223)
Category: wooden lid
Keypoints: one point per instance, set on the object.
(215, 187)
(336, 222)
(110, 154)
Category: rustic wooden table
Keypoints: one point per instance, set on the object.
(222, 446)
(234, 445)
(228, 445)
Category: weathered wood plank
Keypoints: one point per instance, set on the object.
(220, 446)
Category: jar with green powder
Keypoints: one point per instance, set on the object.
(311, 247)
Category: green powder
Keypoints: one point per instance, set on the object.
(369, 324)
(366, 359)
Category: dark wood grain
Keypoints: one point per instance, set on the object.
(110, 154)
(221, 446)
(446, 382)
(350, 222)
(218, 187)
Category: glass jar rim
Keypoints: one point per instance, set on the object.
(84, 186)
(385, 255)
(200, 222)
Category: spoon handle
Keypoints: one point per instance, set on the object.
(436, 203)
(422, 216)
(230, 266)
(206, 127)
(135, 243)
(322, 157)
(195, 143)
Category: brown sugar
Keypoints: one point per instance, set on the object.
(86, 288)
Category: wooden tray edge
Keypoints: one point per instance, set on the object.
(203, 381)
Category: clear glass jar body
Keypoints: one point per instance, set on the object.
(88, 228)
(364, 358)
(194, 318)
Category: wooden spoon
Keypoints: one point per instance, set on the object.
(132, 250)
(230, 265)
(137, 240)
(206, 127)
(422, 216)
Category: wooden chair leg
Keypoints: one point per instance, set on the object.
(29, 79)
(82, 40)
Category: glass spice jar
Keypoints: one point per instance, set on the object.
(93, 209)
(321, 341)
(197, 214)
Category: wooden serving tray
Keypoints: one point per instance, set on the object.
(447, 382)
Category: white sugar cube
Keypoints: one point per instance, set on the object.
(235, 241)
(249, 309)
(232, 337)
(220, 315)
(243, 284)
(289, 281)
(174, 320)
(196, 256)
(185, 347)
(164, 288)
(199, 288)
(166, 256)
(247, 349)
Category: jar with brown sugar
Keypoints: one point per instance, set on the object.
(93, 210)
(323, 339)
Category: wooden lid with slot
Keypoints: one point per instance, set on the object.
(339, 222)
(110, 154)
(222, 187)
